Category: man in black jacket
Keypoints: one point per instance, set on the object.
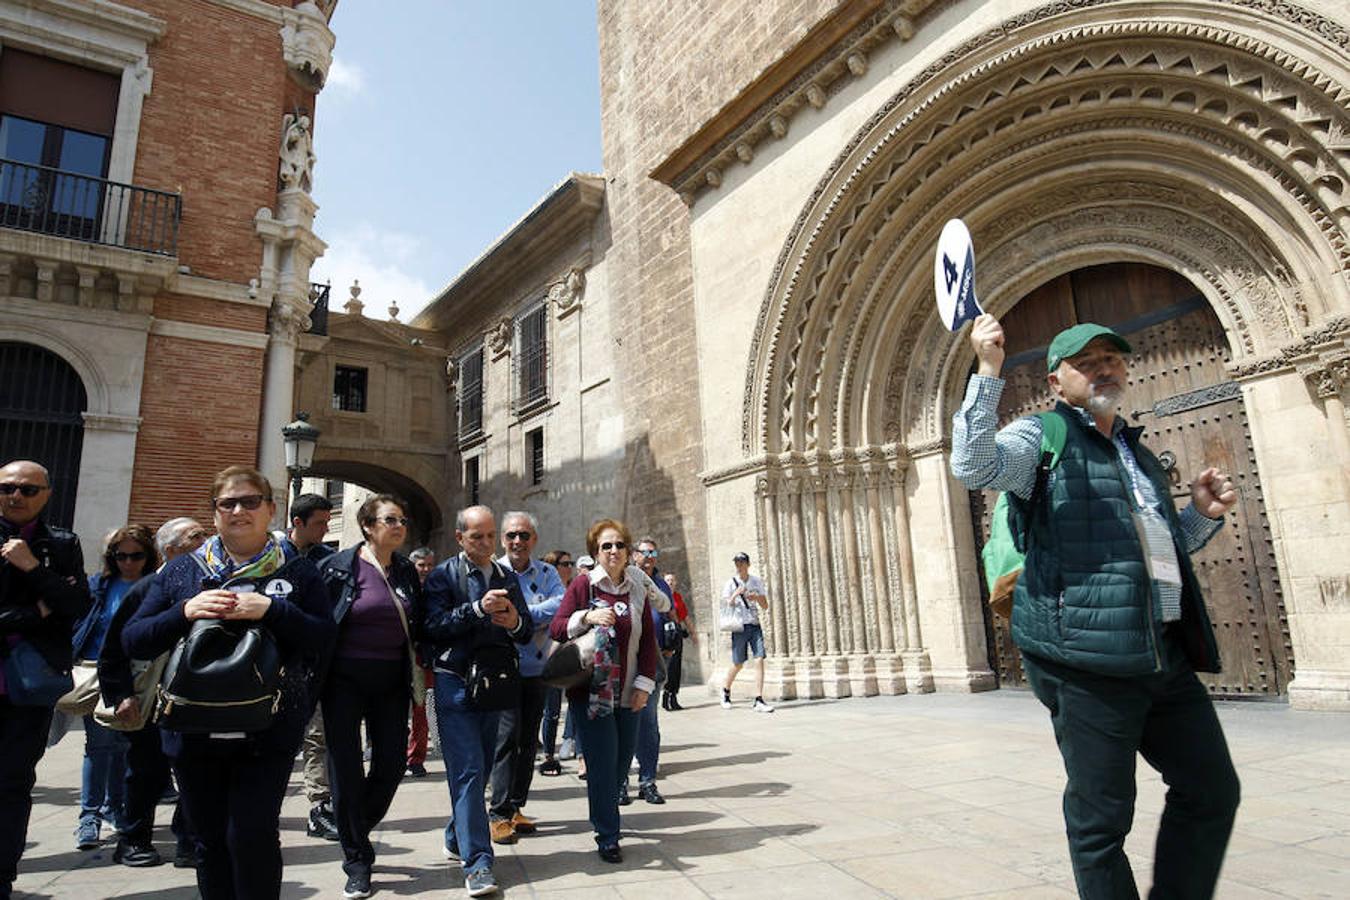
(475, 614)
(43, 593)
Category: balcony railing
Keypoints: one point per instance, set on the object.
(318, 313)
(95, 210)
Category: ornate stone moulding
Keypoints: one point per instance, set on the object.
(307, 44)
(1273, 118)
(772, 468)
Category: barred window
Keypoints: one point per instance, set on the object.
(534, 455)
(471, 481)
(531, 359)
(470, 394)
(349, 389)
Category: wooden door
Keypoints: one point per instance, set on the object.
(1193, 417)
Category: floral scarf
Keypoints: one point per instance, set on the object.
(605, 678)
(215, 560)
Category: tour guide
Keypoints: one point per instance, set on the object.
(1108, 613)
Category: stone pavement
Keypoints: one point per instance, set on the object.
(931, 796)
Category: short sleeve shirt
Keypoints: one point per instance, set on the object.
(754, 585)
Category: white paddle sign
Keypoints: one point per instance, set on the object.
(954, 276)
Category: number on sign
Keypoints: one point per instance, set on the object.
(948, 271)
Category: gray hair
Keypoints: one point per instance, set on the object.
(170, 534)
(421, 553)
(462, 517)
(521, 514)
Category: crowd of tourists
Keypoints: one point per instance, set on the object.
(203, 657)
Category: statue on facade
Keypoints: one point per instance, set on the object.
(297, 152)
(566, 294)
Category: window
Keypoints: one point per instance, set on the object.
(471, 481)
(349, 389)
(333, 490)
(531, 359)
(534, 455)
(470, 395)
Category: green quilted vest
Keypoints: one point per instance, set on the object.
(1084, 598)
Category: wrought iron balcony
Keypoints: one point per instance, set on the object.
(318, 313)
(95, 210)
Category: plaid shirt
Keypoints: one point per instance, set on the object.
(986, 458)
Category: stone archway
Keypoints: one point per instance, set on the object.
(414, 487)
(1214, 148)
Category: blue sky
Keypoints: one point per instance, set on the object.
(441, 124)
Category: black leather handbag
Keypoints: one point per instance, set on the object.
(494, 678)
(223, 677)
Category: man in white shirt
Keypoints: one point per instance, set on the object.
(747, 594)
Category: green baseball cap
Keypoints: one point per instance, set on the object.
(1072, 340)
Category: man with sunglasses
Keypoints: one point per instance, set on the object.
(518, 729)
(649, 727)
(43, 593)
(1107, 611)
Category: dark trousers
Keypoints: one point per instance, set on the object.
(1100, 724)
(609, 742)
(232, 795)
(517, 741)
(148, 776)
(552, 713)
(674, 667)
(374, 691)
(23, 740)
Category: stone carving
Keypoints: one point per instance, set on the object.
(393, 311)
(451, 374)
(297, 153)
(285, 322)
(307, 44)
(1335, 592)
(1272, 81)
(354, 306)
(566, 294)
(498, 337)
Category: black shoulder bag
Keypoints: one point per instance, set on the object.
(493, 679)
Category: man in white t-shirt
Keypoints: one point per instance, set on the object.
(748, 595)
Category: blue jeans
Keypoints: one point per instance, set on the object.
(468, 738)
(609, 742)
(103, 784)
(648, 741)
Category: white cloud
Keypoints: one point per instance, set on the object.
(382, 261)
(345, 78)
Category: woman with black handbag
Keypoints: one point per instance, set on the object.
(372, 676)
(232, 781)
(612, 600)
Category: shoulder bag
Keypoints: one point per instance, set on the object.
(729, 615)
(145, 684)
(493, 679)
(32, 681)
(83, 697)
(572, 663)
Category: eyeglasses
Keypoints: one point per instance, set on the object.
(27, 490)
(392, 521)
(518, 535)
(650, 554)
(563, 564)
(249, 502)
(134, 557)
(613, 545)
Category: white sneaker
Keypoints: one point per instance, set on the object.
(761, 706)
(726, 700)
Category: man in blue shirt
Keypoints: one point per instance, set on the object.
(518, 729)
(1107, 611)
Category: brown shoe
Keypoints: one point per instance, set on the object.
(523, 824)
(503, 832)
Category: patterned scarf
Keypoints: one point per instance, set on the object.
(605, 678)
(218, 562)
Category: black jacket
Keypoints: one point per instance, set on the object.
(339, 576)
(455, 627)
(58, 581)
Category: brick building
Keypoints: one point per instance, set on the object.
(155, 242)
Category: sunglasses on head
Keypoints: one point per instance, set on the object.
(613, 545)
(391, 521)
(518, 535)
(27, 490)
(135, 556)
(249, 502)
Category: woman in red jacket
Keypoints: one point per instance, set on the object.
(612, 598)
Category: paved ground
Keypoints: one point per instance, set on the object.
(930, 796)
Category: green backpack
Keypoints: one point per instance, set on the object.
(1003, 558)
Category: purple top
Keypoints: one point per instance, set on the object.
(371, 628)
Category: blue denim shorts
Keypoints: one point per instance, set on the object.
(745, 643)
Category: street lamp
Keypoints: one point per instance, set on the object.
(299, 438)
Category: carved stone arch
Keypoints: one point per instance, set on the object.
(1270, 124)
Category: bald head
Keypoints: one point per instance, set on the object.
(25, 488)
(476, 531)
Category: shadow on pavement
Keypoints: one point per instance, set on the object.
(718, 762)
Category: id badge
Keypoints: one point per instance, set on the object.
(1155, 538)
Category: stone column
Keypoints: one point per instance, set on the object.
(808, 666)
(918, 666)
(779, 674)
(889, 666)
(284, 326)
(1327, 378)
(834, 667)
(862, 675)
(107, 458)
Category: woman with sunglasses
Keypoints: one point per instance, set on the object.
(376, 595)
(232, 783)
(612, 598)
(128, 555)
